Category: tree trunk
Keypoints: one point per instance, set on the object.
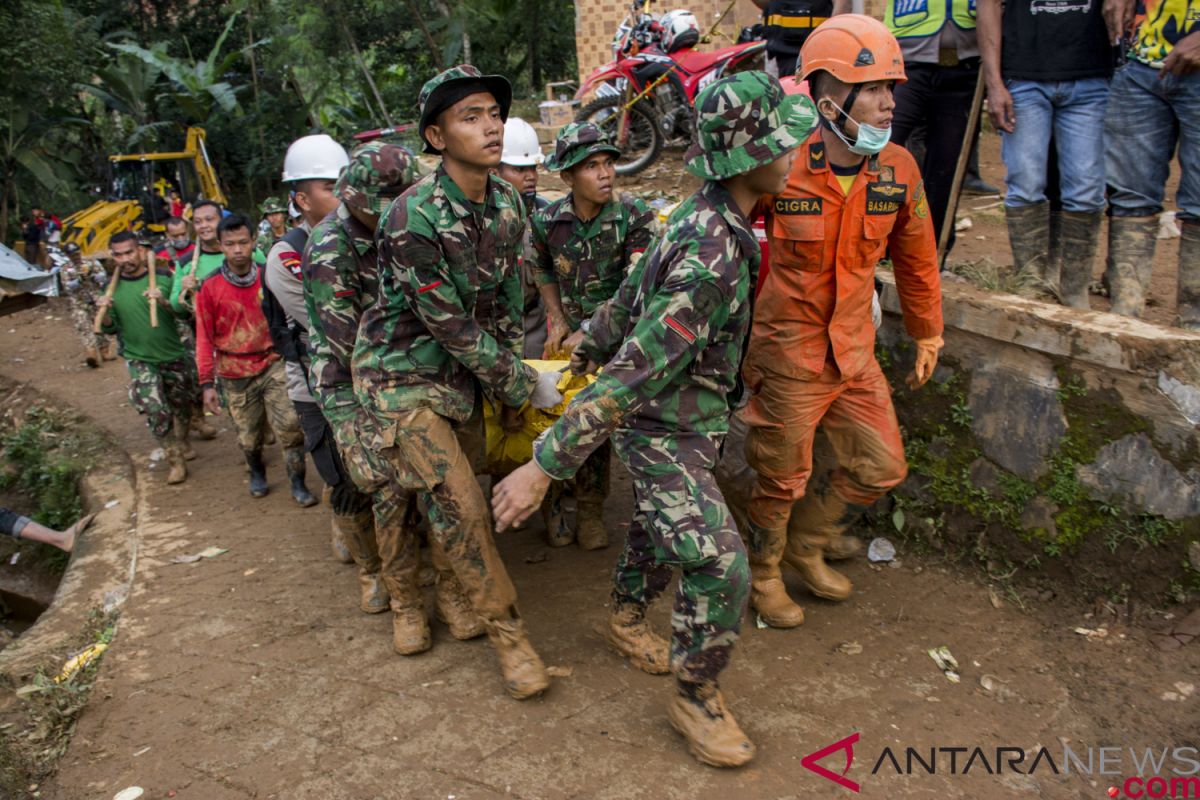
(534, 32)
(313, 120)
(434, 50)
(362, 65)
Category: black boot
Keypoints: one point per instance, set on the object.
(258, 473)
(294, 459)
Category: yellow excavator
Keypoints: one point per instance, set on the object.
(138, 193)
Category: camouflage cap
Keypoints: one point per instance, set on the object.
(447, 88)
(378, 172)
(576, 142)
(272, 205)
(745, 121)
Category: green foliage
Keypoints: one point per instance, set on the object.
(38, 465)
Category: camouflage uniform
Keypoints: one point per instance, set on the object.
(163, 393)
(83, 284)
(446, 329)
(341, 279)
(671, 342)
(267, 239)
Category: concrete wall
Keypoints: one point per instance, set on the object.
(1070, 436)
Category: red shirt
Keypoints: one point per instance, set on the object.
(232, 339)
(180, 255)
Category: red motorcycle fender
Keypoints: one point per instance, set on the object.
(602, 74)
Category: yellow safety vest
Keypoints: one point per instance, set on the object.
(920, 18)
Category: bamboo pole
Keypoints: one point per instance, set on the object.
(152, 274)
(960, 170)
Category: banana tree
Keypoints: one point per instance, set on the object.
(31, 156)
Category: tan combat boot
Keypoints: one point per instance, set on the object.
(455, 610)
(629, 635)
(177, 472)
(768, 595)
(524, 673)
(373, 597)
(410, 629)
(182, 429)
(590, 531)
(202, 427)
(358, 532)
(698, 712)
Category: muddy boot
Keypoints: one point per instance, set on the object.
(410, 629)
(1130, 257)
(455, 611)
(818, 518)
(177, 469)
(843, 547)
(112, 351)
(426, 576)
(91, 357)
(524, 673)
(590, 531)
(293, 458)
(1080, 234)
(337, 544)
(698, 713)
(768, 595)
(182, 431)
(1029, 237)
(1189, 274)
(1054, 255)
(629, 635)
(258, 473)
(201, 426)
(558, 532)
(373, 596)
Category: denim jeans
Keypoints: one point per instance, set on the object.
(1147, 116)
(1072, 114)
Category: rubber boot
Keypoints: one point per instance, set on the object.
(1189, 274)
(558, 532)
(1029, 237)
(524, 673)
(201, 426)
(768, 595)
(818, 518)
(1131, 243)
(629, 635)
(590, 531)
(455, 610)
(258, 473)
(699, 714)
(1054, 255)
(92, 357)
(1079, 233)
(293, 459)
(182, 431)
(177, 469)
(843, 547)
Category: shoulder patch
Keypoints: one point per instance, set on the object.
(920, 202)
(292, 260)
(816, 156)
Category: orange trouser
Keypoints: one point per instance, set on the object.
(857, 416)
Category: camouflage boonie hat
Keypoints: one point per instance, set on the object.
(378, 172)
(447, 88)
(745, 121)
(576, 142)
(272, 205)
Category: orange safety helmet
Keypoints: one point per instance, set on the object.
(853, 48)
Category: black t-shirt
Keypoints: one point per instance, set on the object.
(789, 22)
(1054, 40)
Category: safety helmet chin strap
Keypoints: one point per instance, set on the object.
(843, 113)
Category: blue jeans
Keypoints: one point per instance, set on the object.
(1147, 116)
(1070, 112)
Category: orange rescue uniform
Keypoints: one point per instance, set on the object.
(811, 358)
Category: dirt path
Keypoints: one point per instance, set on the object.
(253, 675)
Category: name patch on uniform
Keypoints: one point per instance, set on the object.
(798, 206)
(885, 198)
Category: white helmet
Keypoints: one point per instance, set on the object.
(680, 29)
(521, 148)
(317, 156)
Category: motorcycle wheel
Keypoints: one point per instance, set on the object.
(642, 140)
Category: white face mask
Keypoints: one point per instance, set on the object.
(870, 139)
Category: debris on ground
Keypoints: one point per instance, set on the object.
(560, 672)
(1092, 633)
(208, 552)
(946, 663)
(850, 648)
(1168, 228)
(963, 225)
(881, 549)
(80, 661)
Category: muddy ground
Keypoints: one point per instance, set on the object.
(253, 674)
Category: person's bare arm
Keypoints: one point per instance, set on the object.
(989, 29)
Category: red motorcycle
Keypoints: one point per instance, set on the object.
(644, 98)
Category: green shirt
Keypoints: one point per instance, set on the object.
(130, 317)
(207, 264)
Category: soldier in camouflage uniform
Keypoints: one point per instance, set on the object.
(585, 244)
(341, 279)
(445, 335)
(83, 282)
(671, 343)
(162, 379)
(275, 214)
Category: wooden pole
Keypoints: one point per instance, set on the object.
(151, 264)
(109, 291)
(960, 170)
